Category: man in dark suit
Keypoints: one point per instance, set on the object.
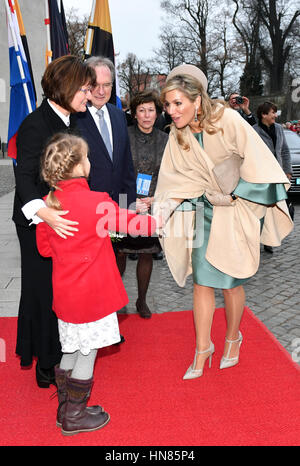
(104, 127)
(112, 168)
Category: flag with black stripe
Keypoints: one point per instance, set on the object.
(58, 29)
(99, 39)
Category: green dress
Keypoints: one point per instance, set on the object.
(203, 272)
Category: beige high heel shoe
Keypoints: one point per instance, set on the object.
(194, 373)
(230, 362)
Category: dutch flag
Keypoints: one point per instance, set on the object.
(22, 94)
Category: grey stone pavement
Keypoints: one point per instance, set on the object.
(273, 294)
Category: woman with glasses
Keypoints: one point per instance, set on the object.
(66, 86)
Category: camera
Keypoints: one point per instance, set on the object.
(239, 100)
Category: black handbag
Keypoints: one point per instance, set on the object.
(291, 208)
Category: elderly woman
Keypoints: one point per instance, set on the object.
(147, 146)
(66, 85)
(221, 192)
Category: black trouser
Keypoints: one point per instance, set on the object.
(37, 323)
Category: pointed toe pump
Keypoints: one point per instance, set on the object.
(192, 373)
(226, 361)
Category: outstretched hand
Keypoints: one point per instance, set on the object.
(54, 218)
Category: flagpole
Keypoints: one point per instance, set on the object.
(20, 65)
(47, 23)
(89, 30)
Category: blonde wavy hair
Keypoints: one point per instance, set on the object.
(211, 111)
(62, 153)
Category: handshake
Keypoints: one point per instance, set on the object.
(143, 205)
(163, 213)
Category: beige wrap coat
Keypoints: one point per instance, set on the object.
(235, 236)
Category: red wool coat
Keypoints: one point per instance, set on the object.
(86, 281)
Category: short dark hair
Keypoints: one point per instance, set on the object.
(144, 97)
(63, 77)
(264, 109)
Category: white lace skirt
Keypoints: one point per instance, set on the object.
(93, 335)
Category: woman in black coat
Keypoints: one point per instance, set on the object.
(66, 85)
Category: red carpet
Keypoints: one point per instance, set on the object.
(140, 384)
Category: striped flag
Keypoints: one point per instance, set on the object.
(22, 93)
(24, 42)
(57, 31)
(99, 40)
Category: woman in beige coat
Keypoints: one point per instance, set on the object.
(221, 193)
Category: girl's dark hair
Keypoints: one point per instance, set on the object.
(144, 97)
(264, 109)
(63, 77)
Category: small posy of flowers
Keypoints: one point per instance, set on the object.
(115, 237)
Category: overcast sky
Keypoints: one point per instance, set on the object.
(135, 24)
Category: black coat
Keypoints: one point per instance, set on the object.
(114, 177)
(37, 324)
(33, 135)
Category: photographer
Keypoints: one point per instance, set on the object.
(241, 104)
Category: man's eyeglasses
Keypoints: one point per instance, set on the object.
(106, 86)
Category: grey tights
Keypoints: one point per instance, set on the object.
(82, 366)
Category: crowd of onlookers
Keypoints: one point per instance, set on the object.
(293, 125)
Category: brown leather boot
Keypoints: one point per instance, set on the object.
(61, 381)
(77, 417)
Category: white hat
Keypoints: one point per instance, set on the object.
(190, 70)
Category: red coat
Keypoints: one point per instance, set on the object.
(86, 281)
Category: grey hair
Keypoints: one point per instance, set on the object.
(93, 62)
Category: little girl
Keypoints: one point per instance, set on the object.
(87, 286)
